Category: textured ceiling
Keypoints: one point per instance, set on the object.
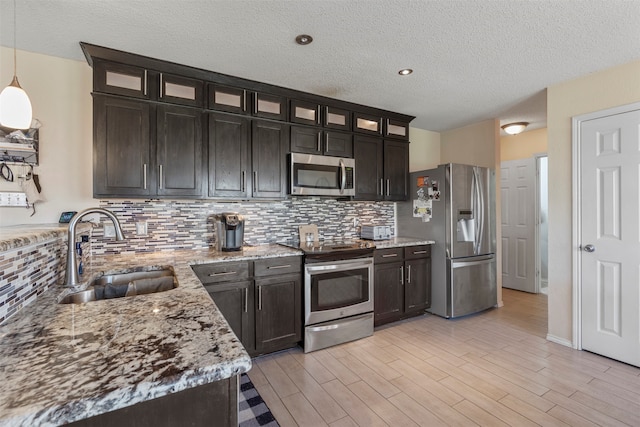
(473, 59)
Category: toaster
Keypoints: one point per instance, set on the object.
(375, 232)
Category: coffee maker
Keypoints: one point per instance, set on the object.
(229, 231)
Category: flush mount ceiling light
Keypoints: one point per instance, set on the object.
(405, 71)
(304, 39)
(514, 128)
(15, 106)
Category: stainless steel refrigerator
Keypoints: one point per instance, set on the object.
(454, 205)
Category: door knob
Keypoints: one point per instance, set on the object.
(589, 248)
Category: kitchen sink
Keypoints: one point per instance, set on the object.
(124, 285)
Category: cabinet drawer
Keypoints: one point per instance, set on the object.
(279, 266)
(388, 255)
(421, 251)
(222, 271)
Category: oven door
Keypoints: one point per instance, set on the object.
(337, 289)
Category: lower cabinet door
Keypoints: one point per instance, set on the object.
(417, 289)
(236, 302)
(388, 295)
(278, 303)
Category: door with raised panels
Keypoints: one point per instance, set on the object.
(518, 208)
(610, 235)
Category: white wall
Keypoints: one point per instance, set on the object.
(60, 93)
(424, 150)
(477, 144)
(609, 88)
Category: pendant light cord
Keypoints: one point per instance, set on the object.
(15, 62)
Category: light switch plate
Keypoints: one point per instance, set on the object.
(109, 230)
(141, 228)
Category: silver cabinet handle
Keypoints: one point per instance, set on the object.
(275, 267)
(244, 181)
(244, 100)
(326, 115)
(589, 248)
(144, 89)
(388, 183)
(259, 297)
(255, 181)
(419, 252)
(318, 138)
(326, 143)
(161, 178)
(318, 115)
(389, 255)
(401, 275)
(343, 181)
(408, 274)
(161, 86)
(255, 104)
(224, 273)
(144, 176)
(381, 187)
(380, 126)
(246, 299)
(387, 132)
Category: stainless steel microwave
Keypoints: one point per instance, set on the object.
(313, 175)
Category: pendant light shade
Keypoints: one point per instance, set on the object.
(15, 106)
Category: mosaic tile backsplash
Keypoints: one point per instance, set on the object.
(27, 272)
(190, 224)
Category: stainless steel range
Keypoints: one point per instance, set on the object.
(338, 292)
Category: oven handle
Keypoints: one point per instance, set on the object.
(339, 265)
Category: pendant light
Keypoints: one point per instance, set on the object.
(15, 106)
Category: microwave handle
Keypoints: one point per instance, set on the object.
(343, 180)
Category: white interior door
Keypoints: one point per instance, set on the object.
(518, 185)
(610, 236)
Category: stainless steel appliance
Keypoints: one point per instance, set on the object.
(460, 201)
(315, 175)
(375, 232)
(338, 292)
(229, 231)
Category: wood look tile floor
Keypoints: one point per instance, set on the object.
(491, 369)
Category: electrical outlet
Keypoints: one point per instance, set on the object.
(109, 230)
(141, 228)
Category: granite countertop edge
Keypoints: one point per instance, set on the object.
(397, 242)
(69, 347)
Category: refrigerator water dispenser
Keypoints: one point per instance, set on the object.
(466, 226)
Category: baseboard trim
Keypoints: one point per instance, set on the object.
(500, 304)
(560, 341)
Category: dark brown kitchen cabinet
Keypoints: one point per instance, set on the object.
(396, 170)
(122, 148)
(322, 142)
(122, 79)
(278, 312)
(229, 142)
(179, 151)
(402, 283)
(180, 90)
(367, 123)
(261, 300)
(229, 99)
(269, 106)
(235, 301)
(337, 118)
(396, 129)
(367, 153)
(269, 142)
(304, 112)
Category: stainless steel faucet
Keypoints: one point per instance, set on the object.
(71, 273)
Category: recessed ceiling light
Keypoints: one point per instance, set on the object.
(405, 71)
(304, 39)
(514, 128)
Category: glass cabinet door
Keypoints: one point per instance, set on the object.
(120, 79)
(229, 99)
(180, 90)
(337, 118)
(304, 112)
(365, 123)
(269, 106)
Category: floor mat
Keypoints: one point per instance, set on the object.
(253, 412)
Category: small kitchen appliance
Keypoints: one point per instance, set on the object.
(375, 232)
(313, 175)
(229, 231)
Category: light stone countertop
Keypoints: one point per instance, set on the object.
(17, 236)
(64, 362)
